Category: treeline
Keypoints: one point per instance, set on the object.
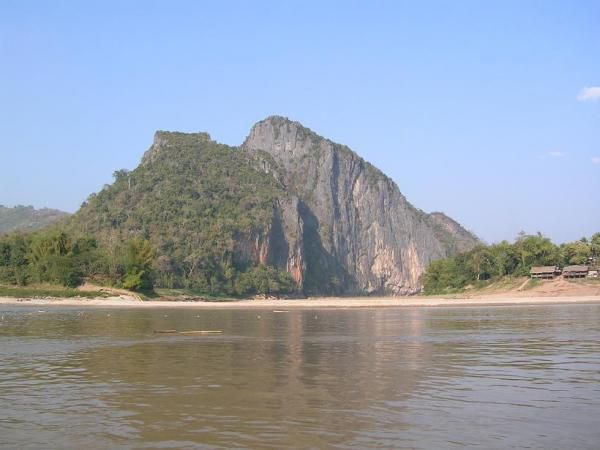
(55, 257)
(489, 262)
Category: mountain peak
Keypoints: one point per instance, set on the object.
(276, 120)
(278, 133)
(164, 140)
(288, 198)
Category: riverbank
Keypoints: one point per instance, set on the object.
(308, 303)
(519, 291)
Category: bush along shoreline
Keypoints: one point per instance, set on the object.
(488, 263)
(52, 257)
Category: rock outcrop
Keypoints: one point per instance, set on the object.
(286, 198)
(353, 231)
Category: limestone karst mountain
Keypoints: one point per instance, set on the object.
(286, 198)
(357, 227)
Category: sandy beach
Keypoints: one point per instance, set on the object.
(307, 303)
(550, 292)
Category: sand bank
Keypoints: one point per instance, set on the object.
(309, 303)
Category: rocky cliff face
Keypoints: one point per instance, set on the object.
(287, 198)
(350, 228)
(280, 242)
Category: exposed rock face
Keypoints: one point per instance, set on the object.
(280, 243)
(287, 198)
(352, 231)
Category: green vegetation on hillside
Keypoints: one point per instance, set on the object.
(27, 218)
(198, 216)
(173, 222)
(492, 262)
(192, 199)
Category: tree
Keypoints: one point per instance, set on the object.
(13, 259)
(139, 258)
(266, 280)
(123, 175)
(595, 245)
(50, 259)
(479, 262)
(441, 275)
(504, 259)
(535, 250)
(576, 252)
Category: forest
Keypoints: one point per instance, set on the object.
(491, 262)
(172, 222)
(56, 258)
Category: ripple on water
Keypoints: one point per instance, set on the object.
(416, 378)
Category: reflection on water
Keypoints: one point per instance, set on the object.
(409, 378)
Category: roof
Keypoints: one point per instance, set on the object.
(576, 269)
(543, 269)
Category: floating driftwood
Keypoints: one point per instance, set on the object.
(280, 311)
(188, 332)
(201, 332)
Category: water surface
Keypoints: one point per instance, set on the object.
(491, 377)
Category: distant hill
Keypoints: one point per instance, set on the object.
(27, 218)
(456, 237)
(286, 198)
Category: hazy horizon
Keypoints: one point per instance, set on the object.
(487, 112)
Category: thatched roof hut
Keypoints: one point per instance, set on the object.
(575, 271)
(544, 272)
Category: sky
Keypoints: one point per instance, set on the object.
(488, 111)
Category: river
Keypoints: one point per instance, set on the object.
(425, 378)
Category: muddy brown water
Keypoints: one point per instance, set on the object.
(426, 378)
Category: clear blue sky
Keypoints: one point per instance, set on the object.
(474, 108)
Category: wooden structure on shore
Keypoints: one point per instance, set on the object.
(575, 271)
(544, 272)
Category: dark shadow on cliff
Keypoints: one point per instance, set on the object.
(279, 247)
(324, 275)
